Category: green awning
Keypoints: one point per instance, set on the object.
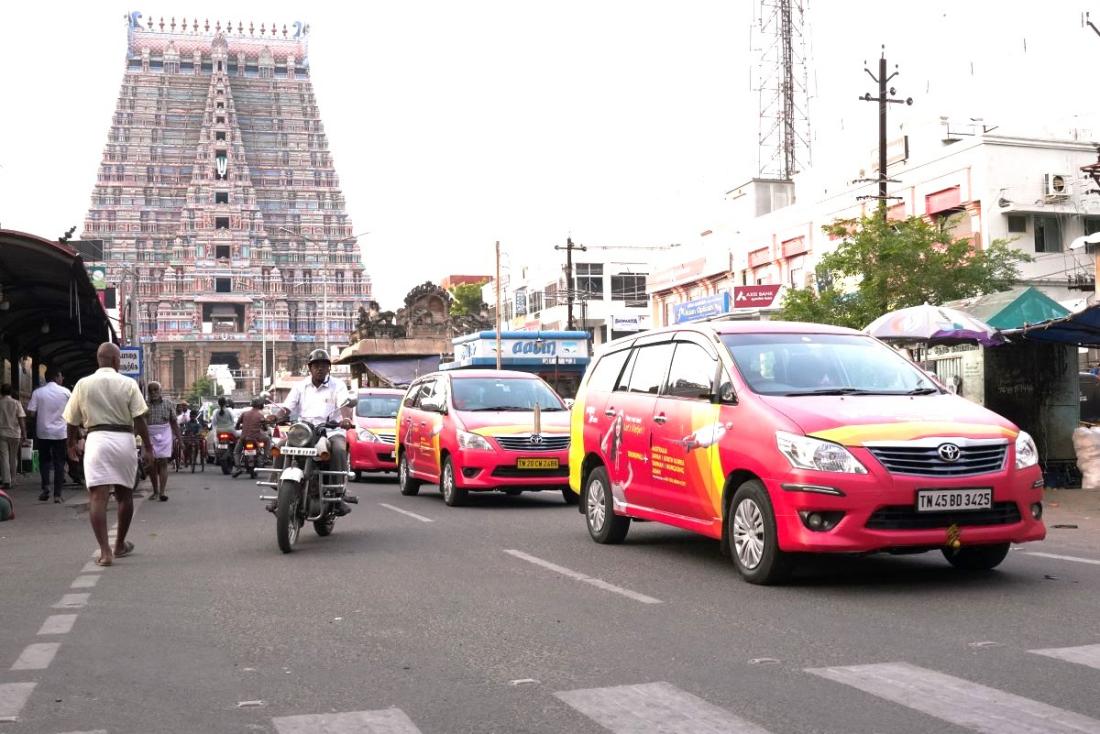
(1013, 308)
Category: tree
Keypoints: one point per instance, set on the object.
(203, 387)
(883, 266)
(466, 300)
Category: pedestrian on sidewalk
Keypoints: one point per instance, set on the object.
(110, 407)
(13, 431)
(46, 408)
(164, 432)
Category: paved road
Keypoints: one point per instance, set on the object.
(504, 617)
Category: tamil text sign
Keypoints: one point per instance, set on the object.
(131, 362)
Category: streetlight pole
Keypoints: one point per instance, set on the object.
(328, 252)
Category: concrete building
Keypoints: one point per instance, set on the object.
(982, 183)
(609, 292)
(219, 207)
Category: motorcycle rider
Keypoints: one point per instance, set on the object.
(316, 400)
(251, 425)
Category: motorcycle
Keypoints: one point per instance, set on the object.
(252, 457)
(307, 489)
(223, 450)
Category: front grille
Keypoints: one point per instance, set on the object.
(904, 517)
(386, 439)
(925, 461)
(512, 472)
(522, 442)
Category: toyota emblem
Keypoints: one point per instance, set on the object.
(949, 452)
(536, 439)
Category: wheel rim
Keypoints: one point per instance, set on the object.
(295, 527)
(403, 471)
(748, 533)
(448, 480)
(597, 511)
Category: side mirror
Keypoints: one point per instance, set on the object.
(726, 394)
(568, 403)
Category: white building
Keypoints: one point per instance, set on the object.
(988, 184)
(609, 292)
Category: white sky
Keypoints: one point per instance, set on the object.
(455, 124)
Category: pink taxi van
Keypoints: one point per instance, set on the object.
(782, 438)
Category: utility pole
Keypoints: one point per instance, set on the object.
(569, 247)
(497, 283)
(886, 96)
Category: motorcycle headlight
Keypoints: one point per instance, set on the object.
(805, 452)
(1026, 453)
(299, 435)
(368, 437)
(468, 440)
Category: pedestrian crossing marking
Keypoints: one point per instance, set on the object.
(958, 701)
(1084, 655)
(36, 656)
(72, 601)
(655, 708)
(383, 721)
(58, 624)
(12, 698)
(85, 582)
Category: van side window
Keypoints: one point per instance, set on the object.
(692, 373)
(650, 368)
(606, 372)
(411, 395)
(424, 391)
(624, 379)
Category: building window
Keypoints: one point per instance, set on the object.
(534, 301)
(1091, 224)
(630, 288)
(589, 280)
(1017, 223)
(219, 135)
(221, 222)
(223, 285)
(221, 252)
(221, 105)
(1048, 234)
(220, 119)
(221, 197)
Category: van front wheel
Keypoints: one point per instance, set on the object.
(753, 540)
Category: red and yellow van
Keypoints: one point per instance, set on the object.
(482, 430)
(370, 445)
(782, 438)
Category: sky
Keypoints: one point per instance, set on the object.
(457, 124)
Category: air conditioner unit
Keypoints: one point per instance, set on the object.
(1056, 185)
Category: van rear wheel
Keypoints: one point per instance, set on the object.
(599, 510)
(753, 540)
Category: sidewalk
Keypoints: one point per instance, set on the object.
(1072, 517)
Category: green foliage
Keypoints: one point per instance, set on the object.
(202, 388)
(466, 300)
(883, 266)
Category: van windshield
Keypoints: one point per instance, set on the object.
(378, 406)
(512, 394)
(824, 364)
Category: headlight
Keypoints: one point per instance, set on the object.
(468, 440)
(1026, 453)
(810, 453)
(299, 435)
(368, 437)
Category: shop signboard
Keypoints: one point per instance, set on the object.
(754, 296)
(701, 308)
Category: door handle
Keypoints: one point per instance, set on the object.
(660, 419)
(610, 412)
(423, 424)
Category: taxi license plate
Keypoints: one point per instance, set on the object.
(948, 500)
(536, 463)
(223, 445)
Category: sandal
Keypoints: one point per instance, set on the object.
(163, 497)
(127, 549)
(101, 561)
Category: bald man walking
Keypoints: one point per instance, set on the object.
(110, 408)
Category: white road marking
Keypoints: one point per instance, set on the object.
(1057, 557)
(36, 656)
(72, 601)
(85, 582)
(384, 721)
(958, 701)
(92, 566)
(12, 698)
(577, 575)
(655, 708)
(421, 518)
(58, 624)
(1084, 655)
(96, 731)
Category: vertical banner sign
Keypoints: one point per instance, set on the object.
(131, 362)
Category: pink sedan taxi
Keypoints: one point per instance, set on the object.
(483, 430)
(370, 444)
(784, 438)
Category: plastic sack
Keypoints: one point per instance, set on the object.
(7, 507)
(1086, 444)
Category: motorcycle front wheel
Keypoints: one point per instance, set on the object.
(288, 525)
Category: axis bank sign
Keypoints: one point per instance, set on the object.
(754, 296)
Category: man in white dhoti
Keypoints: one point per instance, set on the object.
(110, 408)
(164, 433)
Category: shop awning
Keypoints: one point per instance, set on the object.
(1012, 309)
(402, 371)
(1081, 328)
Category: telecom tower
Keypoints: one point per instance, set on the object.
(781, 82)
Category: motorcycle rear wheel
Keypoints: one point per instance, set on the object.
(288, 525)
